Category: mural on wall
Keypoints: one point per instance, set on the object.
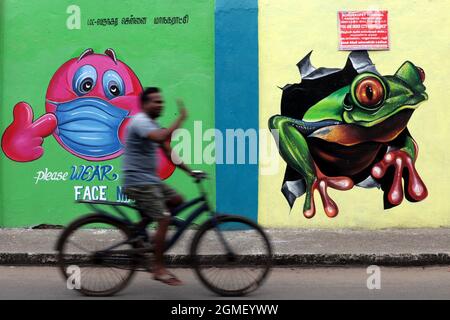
(89, 101)
(67, 107)
(344, 127)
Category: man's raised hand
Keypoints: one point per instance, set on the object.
(182, 109)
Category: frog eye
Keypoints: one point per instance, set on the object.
(84, 80)
(370, 92)
(421, 73)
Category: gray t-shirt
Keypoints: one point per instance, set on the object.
(139, 157)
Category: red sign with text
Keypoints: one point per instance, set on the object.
(363, 30)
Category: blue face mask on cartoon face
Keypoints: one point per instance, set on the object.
(90, 126)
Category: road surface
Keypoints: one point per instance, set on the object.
(283, 283)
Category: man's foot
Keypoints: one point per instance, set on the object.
(167, 278)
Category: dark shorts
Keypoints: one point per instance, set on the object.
(152, 198)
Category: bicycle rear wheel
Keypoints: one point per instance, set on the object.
(88, 246)
(231, 255)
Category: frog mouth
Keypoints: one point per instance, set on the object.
(412, 104)
(352, 134)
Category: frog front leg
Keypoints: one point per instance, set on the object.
(402, 158)
(294, 150)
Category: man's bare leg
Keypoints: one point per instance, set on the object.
(160, 272)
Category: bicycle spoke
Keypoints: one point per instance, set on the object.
(79, 246)
(232, 275)
(103, 272)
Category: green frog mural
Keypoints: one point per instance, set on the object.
(344, 127)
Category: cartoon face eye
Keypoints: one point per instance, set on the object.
(84, 80)
(113, 84)
(369, 92)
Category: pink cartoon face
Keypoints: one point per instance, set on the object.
(92, 98)
(89, 101)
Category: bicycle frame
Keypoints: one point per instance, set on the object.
(141, 226)
(182, 225)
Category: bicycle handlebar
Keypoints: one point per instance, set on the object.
(199, 175)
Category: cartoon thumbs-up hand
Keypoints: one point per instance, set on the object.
(22, 140)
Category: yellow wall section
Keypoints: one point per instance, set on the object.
(419, 32)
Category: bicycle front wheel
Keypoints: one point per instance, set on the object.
(92, 255)
(231, 255)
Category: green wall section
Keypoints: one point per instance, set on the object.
(179, 58)
(2, 208)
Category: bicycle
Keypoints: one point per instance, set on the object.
(213, 250)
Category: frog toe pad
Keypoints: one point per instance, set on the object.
(402, 163)
(321, 184)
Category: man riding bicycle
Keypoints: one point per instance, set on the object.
(140, 180)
